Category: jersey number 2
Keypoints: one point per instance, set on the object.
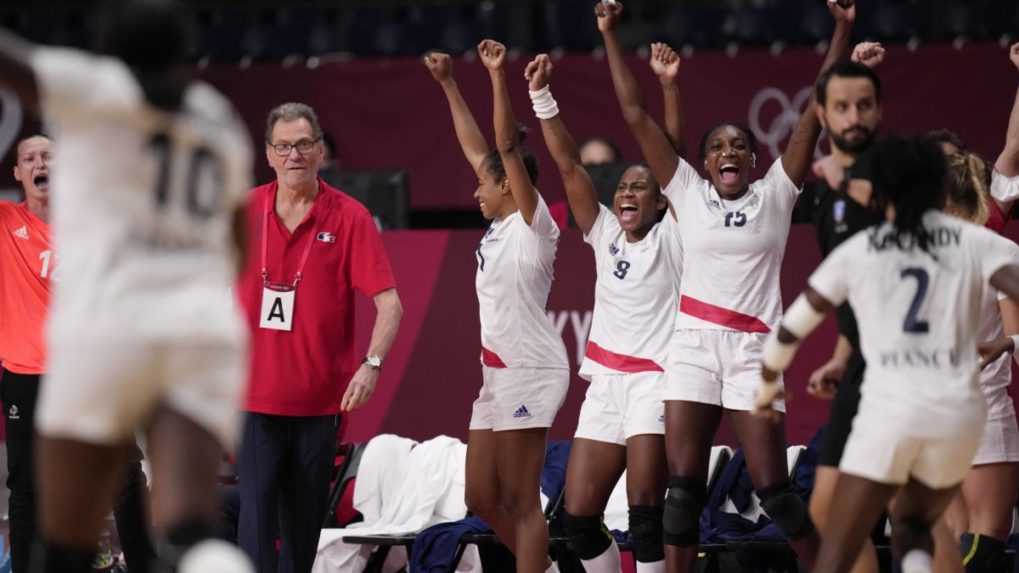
(200, 202)
(912, 323)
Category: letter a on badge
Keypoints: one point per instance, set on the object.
(277, 309)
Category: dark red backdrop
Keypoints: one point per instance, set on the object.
(389, 113)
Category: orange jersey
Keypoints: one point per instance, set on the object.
(27, 264)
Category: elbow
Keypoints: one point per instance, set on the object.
(395, 308)
(505, 144)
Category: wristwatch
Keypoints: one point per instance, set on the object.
(373, 361)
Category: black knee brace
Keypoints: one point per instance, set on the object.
(682, 515)
(983, 554)
(787, 510)
(646, 534)
(587, 537)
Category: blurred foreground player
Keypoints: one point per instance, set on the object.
(142, 333)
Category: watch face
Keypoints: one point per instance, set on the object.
(373, 361)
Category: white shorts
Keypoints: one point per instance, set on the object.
(101, 391)
(889, 453)
(999, 443)
(620, 406)
(519, 398)
(720, 367)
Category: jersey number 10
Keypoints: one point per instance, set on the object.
(201, 203)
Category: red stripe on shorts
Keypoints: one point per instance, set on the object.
(491, 359)
(620, 362)
(718, 315)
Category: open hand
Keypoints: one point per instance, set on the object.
(994, 349)
(360, 388)
(825, 380)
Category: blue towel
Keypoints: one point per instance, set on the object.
(435, 548)
(720, 527)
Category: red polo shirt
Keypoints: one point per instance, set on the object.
(303, 372)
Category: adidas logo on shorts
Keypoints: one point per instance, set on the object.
(522, 412)
(21, 233)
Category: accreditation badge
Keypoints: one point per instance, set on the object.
(277, 307)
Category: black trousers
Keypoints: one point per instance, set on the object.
(284, 466)
(19, 393)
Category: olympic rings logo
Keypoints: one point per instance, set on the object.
(783, 123)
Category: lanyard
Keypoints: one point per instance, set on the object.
(265, 246)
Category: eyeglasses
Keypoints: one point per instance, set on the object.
(304, 146)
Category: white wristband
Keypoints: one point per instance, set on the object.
(801, 318)
(545, 106)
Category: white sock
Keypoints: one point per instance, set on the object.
(651, 567)
(216, 556)
(916, 561)
(607, 562)
(552, 568)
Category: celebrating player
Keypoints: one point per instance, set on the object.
(523, 357)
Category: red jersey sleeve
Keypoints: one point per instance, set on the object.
(370, 271)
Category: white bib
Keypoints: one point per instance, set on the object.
(277, 308)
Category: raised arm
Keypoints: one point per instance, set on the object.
(1008, 162)
(799, 153)
(665, 64)
(467, 132)
(16, 72)
(654, 145)
(507, 140)
(579, 190)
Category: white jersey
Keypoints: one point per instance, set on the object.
(1005, 189)
(919, 317)
(514, 277)
(635, 296)
(143, 202)
(732, 250)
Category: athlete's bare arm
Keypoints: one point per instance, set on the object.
(799, 153)
(991, 350)
(467, 132)
(665, 64)
(15, 71)
(507, 140)
(654, 145)
(579, 190)
(1008, 162)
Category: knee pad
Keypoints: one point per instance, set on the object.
(982, 554)
(587, 537)
(646, 533)
(787, 510)
(682, 514)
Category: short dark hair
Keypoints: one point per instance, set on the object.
(150, 36)
(751, 140)
(292, 111)
(847, 69)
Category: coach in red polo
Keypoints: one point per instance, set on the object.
(310, 248)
